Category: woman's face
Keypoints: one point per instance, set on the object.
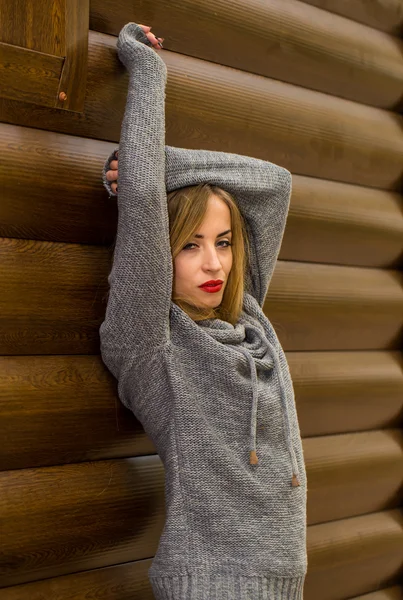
(206, 258)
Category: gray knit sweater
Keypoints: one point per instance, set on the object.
(207, 393)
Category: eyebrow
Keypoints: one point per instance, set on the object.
(197, 235)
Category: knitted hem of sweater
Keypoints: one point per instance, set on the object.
(227, 587)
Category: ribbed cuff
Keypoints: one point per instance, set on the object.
(227, 587)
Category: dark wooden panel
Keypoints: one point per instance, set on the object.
(354, 556)
(54, 299)
(44, 52)
(92, 515)
(328, 221)
(64, 409)
(119, 582)
(289, 41)
(22, 24)
(79, 517)
(219, 108)
(29, 75)
(327, 307)
(74, 75)
(340, 392)
(386, 15)
(353, 473)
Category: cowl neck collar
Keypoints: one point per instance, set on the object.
(251, 337)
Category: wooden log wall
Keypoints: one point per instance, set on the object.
(315, 86)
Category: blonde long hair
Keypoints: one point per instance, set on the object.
(187, 207)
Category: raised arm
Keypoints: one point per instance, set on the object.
(137, 313)
(262, 192)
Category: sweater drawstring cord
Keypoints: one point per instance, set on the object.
(253, 458)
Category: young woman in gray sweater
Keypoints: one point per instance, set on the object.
(195, 357)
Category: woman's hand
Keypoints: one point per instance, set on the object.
(112, 174)
(156, 42)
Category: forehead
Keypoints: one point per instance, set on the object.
(217, 209)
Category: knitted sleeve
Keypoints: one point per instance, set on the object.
(261, 189)
(140, 281)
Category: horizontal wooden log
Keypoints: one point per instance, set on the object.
(327, 307)
(354, 556)
(328, 221)
(215, 107)
(286, 40)
(63, 409)
(338, 223)
(54, 299)
(91, 515)
(128, 581)
(81, 516)
(390, 593)
(53, 189)
(353, 473)
(386, 15)
(335, 392)
(341, 392)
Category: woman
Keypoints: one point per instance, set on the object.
(196, 359)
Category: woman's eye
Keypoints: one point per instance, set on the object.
(188, 246)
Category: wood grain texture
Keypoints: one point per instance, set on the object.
(65, 409)
(214, 107)
(353, 474)
(54, 300)
(354, 556)
(390, 593)
(53, 297)
(128, 581)
(22, 24)
(92, 515)
(341, 392)
(282, 39)
(338, 223)
(385, 15)
(123, 582)
(328, 222)
(52, 187)
(79, 517)
(73, 79)
(44, 52)
(327, 307)
(28, 75)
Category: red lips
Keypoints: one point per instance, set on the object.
(212, 282)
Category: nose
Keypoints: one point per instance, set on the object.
(212, 260)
